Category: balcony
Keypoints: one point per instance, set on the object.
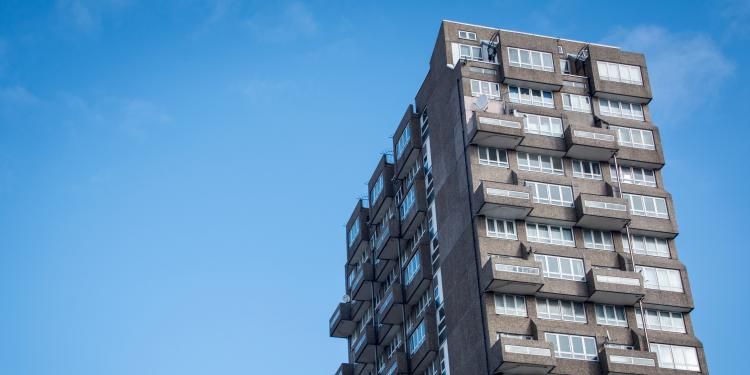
(347, 369)
(413, 208)
(390, 310)
(357, 232)
(495, 130)
(525, 77)
(359, 308)
(519, 356)
(360, 282)
(614, 287)
(380, 190)
(512, 275)
(341, 323)
(500, 200)
(365, 347)
(626, 362)
(617, 90)
(589, 143)
(601, 212)
(407, 143)
(396, 364)
(650, 157)
(386, 244)
(423, 351)
(417, 274)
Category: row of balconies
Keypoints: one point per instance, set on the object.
(579, 142)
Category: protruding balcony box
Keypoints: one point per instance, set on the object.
(637, 157)
(365, 347)
(397, 364)
(341, 323)
(502, 200)
(615, 287)
(417, 274)
(512, 275)
(386, 244)
(409, 131)
(358, 244)
(422, 355)
(601, 212)
(359, 308)
(627, 362)
(360, 281)
(412, 216)
(347, 369)
(590, 143)
(617, 90)
(383, 267)
(383, 179)
(519, 356)
(524, 77)
(495, 130)
(646, 225)
(390, 310)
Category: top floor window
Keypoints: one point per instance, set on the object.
(491, 89)
(468, 35)
(523, 95)
(609, 71)
(475, 53)
(403, 141)
(528, 59)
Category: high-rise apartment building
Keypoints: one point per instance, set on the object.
(521, 225)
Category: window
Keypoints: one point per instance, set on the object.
(587, 169)
(634, 175)
(376, 190)
(467, 35)
(549, 234)
(565, 66)
(528, 59)
(635, 138)
(597, 239)
(491, 89)
(614, 108)
(354, 232)
(514, 336)
(645, 245)
(535, 97)
(411, 269)
(499, 228)
(572, 347)
(417, 338)
(619, 72)
(493, 156)
(557, 309)
(561, 268)
(662, 320)
(508, 304)
(408, 203)
(403, 141)
(556, 195)
(540, 163)
(643, 205)
(676, 357)
(470, 52)
(610, 315)
(661, 278)
(578, 103)
(543, 125)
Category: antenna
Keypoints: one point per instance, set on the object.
(481, 103)
(346, 298)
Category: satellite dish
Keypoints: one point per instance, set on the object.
(481, 103)
(346, 298)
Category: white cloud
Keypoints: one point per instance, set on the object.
(86, 15)
(682, 67)
(295, 21)
(737, 13)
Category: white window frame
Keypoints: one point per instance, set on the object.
(634, 175)
(660, 320)
(550, 234)
(565, 67)
(535, 97)
(551, 194)
(574, 271)
(536, 60)
(377, 189)
(634, 138)
(540, 163)
(510, 304)
(557, 309)
(494, 227)
(486, 153)
(354, 232)
(412, 268)
(542, 125)
(490, 89)
(565, 346)
(676, 357)
(417, 338)
(623, 73)
(616, 108)
(646, 245)
(576, 103)
(611, 315)
(598, 239)
(408, 203)
(474, 52)
(645, 205)
(587, 169)
(468, 35)
(665, 279)
(403, 141)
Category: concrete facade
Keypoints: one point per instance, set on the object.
(521, 225)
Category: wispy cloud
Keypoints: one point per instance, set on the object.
(86, 15)
(17, 95)
(295, 21)
(676, 62)
(736, 13)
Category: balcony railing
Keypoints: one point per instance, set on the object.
(507, 193)
(499, 122)
(618, 280)
(606, 205)
(517, 349)
(516, 269)
(592, 135)
(625, 360)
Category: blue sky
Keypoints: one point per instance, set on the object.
(174, 178)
